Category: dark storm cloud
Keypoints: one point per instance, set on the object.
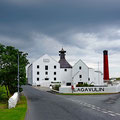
(20, 18)
(56, 16)
(83, 27)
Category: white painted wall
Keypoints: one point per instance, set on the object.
(13, 100)
(42, 62)
(65, 76)
(76, 72)
(30, 74)
(91, 76)
(109, 89)
(72, 74)
(61, 75)
(96, 77)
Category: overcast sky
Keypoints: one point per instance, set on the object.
(84, 28)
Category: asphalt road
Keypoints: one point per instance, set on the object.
(46, 106)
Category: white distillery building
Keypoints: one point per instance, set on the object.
(47, 71)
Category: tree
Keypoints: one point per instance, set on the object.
(9, 67)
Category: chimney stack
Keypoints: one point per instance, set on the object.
(106, 67)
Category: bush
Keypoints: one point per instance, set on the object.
(117, 78)
(56, 87)
(3, 93)
(84, 85)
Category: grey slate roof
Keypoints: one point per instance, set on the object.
(64, 64)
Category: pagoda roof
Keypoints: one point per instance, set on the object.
(64, 64)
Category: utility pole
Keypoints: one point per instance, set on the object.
(18, 74)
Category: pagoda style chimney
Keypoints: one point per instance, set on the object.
(105, 67)
(63, 62)
(62, 54)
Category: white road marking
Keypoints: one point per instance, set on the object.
(93, 108)
(111, 113)
(104, 111)
(117, 113)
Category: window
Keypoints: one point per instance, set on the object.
(37, 66)
(37, 73)
(54, 73)
(37, 79)
(68, 84)
(88, 79)
(46, 73)
(54, 66)
(46, 67)
(54, 78)
(65, 69)
(80, 68)
(80, 76)
(46, 78)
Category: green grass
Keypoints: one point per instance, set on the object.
(85, 93)
(17, 113)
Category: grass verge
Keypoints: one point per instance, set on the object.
(85, 93)
(17, 113)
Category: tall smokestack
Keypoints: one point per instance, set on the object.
(106, 67)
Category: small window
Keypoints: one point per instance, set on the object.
(68, 84)
(65, 69)
(54, 73)
(46, 73)
(80, 76)
(54, 78)
(80, 68)
(46, 67)
(54, 66)
(88, 79)
(37, 66)
(37, 73)
(46, 78)
(37, 79)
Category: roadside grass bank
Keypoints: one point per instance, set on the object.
(85, 93)
(17, 113)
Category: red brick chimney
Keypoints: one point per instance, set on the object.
(106, 66)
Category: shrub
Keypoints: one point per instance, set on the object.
(84, 85)
(3, 93)
(56, 87)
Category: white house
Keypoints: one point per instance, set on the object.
(46, 71)
(80, 73)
